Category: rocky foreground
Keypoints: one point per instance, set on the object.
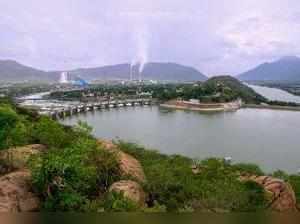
(17, 194)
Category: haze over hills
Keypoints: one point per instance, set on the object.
(12, 71)
(284, 69)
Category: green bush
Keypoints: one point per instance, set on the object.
(220, 187)
(294, 180)
(14, 129)
(171, 182)
(281, 175)
(69, 178)
(49, 132)
(167, 177)
(248, 168)
(8, 121)
(116, 202)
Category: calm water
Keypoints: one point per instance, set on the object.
(267, 137)
(276, 94)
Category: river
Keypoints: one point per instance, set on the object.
(276, 94)
(269, 138)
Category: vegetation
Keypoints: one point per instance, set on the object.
(75, 173)
(14, 129)
(22, 89)
(70, 179)
(231, 88)
(293, 179)
(281, 103)
(171, 182)
(217, 89)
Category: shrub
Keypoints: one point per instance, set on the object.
(248, 168)
(219, 187)
(168, 177)
(71, 177)
(8, 121)
(281, 175)
(14, 129)
(49, 132)
(294, 180)
(116, 202)
(171, 183)
(256, 200)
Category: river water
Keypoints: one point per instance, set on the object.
(275, 94)
(269, 138)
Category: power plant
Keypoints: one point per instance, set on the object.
(139, 70)
(65, 79)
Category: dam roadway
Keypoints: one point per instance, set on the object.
(61, 109)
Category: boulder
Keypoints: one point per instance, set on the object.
(17, 158)
(129, 166)
(16, 194)
(281, 194)
(130, 190)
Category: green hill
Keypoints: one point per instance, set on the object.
(230, 88)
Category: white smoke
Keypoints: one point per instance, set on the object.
(141, 52)
(63, 77)
(142, 49)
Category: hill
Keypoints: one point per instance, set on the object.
(284, 69)
(12, 71)
(231, 88)
(155, 71)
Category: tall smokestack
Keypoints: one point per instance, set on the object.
(140, 72)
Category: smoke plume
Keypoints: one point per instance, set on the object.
(141, 37)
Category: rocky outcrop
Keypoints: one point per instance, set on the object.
(281, 194)
(129, 166)
(17, 158)
(130, 190)
(16, 194)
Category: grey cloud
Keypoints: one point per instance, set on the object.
(217, 37)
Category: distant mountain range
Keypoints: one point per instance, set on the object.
(12, 71)
(284, 69)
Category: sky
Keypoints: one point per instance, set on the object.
(218, 37)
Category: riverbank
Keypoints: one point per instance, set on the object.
(57, 168)
(271, 107)
(202, 107)
(177, 107)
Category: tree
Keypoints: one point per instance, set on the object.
(51, 133)
(8, 121)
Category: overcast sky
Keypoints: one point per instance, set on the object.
(215, 36)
